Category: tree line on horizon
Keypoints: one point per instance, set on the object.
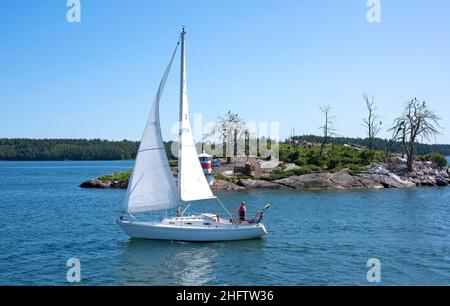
(66, 149)
(378, 144)
(96, 149)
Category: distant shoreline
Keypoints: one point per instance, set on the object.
(25, 149)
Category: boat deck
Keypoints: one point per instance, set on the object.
(204, 219)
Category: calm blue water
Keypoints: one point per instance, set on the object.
(315, 237)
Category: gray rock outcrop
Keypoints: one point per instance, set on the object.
(251, 184)
(375, 176)
(223, 185)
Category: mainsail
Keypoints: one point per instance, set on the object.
(152, 186)
(191, 180)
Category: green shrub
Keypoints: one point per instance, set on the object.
(367, 156)
(354, 169)
(117, 176)
(301, 161)
(437, 158)
(302, 170)
(219, 176)
(332, 160)
(173, 163)
(313, 157)
(333, 157)
(314, 168)
(276, 175)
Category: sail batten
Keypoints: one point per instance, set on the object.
(151, 186)
(192, 183)
(150, 149)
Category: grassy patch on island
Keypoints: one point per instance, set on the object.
(116, 176)
(333, 157)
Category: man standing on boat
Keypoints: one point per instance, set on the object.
(242, 212)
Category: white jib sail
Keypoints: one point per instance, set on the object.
(191, 179)
(152, 186)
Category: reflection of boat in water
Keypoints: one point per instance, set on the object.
(183, 263)
(152, 186)
(177, 263)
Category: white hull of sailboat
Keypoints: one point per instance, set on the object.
(183, 232)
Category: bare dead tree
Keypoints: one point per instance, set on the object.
(395, 136)
(328, 127)
(371, 123)
(416, 123)
(230, 129)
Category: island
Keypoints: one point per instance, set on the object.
(300, 167)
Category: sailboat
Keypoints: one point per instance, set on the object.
(152, 187)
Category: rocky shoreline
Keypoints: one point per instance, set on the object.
(374, 176)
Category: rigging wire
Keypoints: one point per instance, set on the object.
(223, 206)
(197, 61)
(204, 79)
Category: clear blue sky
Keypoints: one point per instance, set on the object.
(266, 60)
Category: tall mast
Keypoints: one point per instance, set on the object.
(192, 184)
(183, 93)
